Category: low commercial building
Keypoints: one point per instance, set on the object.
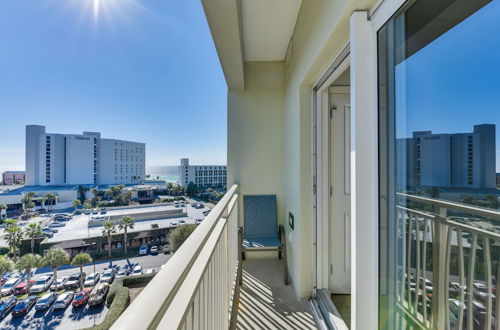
(202, 175)
(65, 195)
(13, 177)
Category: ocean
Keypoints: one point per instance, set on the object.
(167, 173)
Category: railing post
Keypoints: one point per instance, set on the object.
(439, 268)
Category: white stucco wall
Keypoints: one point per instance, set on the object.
(255, 133)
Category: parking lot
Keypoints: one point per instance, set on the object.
(81, 317)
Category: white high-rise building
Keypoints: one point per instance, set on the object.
(202, 175)
(461, 160)
(61, 159)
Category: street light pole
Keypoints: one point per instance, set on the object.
(95, 252)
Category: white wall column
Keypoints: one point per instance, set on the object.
(364, 173)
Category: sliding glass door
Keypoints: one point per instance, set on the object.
(439, 107)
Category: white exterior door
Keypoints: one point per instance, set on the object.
(340, 190)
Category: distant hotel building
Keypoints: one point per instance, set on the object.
(462, 160)
(202, 175)
(72, 159)
(13, 177)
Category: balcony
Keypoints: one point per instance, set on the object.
(206, 285)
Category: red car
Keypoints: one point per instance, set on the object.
(22, 287)
(81, 297)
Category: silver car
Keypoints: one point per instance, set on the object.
(64, 300)
(59, 284)
(8, 287)
(45, 301)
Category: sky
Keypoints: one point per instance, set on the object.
(138, 70)
(460, 86)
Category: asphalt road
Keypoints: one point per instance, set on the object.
(76, 318)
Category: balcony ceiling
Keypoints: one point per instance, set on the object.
(267, 28)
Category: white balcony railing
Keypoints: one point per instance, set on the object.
(445, 274)
(197, 288)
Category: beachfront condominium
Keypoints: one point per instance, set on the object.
(70, 159)
(460, 160)
(202, 175)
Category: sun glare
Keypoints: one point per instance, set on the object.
(96, 8)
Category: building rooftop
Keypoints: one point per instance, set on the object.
(24, 189)
(14, 172)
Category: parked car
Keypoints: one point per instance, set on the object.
(150, 271)
(174, 224)
(63, 300)
(154, 249)
(74, 281)
(143, 250)
(42, 284)
(45, 301)
(24, 306)
(123, 272)
(7, 305)
(56, 225)
(87, 211)
(205, 213)
(198, 221)
(81, 298)
(137, 270)
(22, 287)
(95, 211)
(92, 279)
(182, 221)
(98, 295)
(9, 287)
(59, 284)
(166, 249)
(108, 276)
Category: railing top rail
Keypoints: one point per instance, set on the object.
(475, 210)
(148, 308)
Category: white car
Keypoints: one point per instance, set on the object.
(8, 287)
(92, 279)
(143, 250)
(174, 224)
(137, 270)
(59, 284)
(154, 249)
(42, 284)
(63, 300)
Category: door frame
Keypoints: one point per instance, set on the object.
(321, 168)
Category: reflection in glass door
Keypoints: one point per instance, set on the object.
(439, 107)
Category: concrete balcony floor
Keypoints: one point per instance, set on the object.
(266, 302)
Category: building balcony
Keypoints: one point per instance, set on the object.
(447, 275)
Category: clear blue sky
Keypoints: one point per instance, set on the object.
(140, 70)
(460, 86)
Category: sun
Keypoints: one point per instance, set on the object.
(96, 8)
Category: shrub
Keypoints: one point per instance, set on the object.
(125, 281)
(180, 234)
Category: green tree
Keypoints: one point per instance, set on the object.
(27, 201)
(126, 223)
(81, 259)
(6, 265)
(81, 192)
(109, 230)
(77, 203)
(9, 223)
(87, 205)
(27, 263)
(180, 234)
(13, 236)
(55, 258)
(2, 208)
(32, 231)
(49, 200)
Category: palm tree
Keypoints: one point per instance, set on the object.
(13, 236)
(9, 223)
(27, 201)
(32, 231)
(79, 260)
(109, 230)
(6, 265)
(55, 258)
(49, 198)
(2, 207)
(126, 223)
(27, 263)
(76, 203)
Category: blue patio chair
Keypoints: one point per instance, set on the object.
(261, 231)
